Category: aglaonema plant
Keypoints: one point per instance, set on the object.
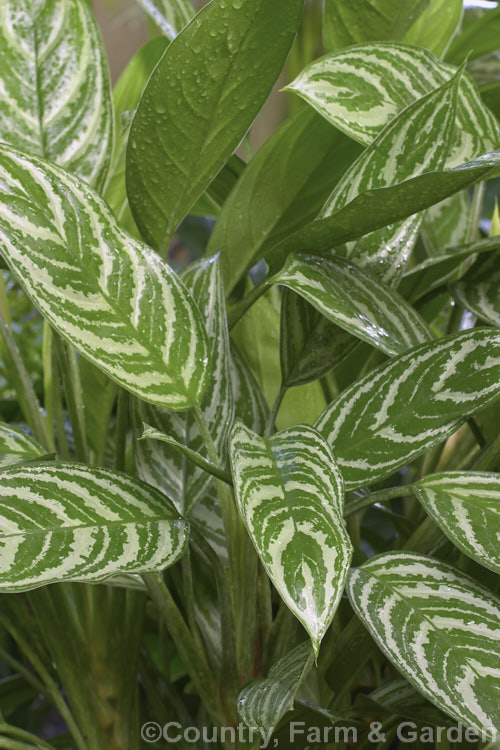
(254, 502)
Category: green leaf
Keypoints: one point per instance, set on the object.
(466, 505)
(310, 346)
(228, 59)
(479, 38)
(348, 22)
(415, 401)
(437, 26)
(355, 301)
(106, 293)
(478, 292)
(169, 15)
(284, 186)
(490, 94)
(383, 206)
(360, 90)
(289, 494)
(439, 628)
(162, 465)
(263, 702)
(54, 84)
(16, 446)
(74, 522)
(126, 95)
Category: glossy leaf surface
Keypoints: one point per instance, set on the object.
(228, 59)
(355, 301)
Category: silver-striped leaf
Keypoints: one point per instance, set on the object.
(416, 141)
(169, 15)
(264, 701)
(404, 407)
(361, 89)
(16, 446)
(163, 465)
(106, 293)
(55, 97)
(290, 495)
(466, 505)
(377, 208)
(63, 522)
(355, 300)
(478, 292)
(228, 59)
(440, 629)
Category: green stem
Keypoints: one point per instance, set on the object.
(68, 366)
(193, 657)
(51, 686)
(274, 412)
(240, 308)
(22, 383)
(476, 211)
(489, 458)
(22, 735)
(476, 431)
(381, 496)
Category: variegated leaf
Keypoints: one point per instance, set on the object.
(55, 98)
(106, 293)
(162, 465)
(466, 505)
(289, 494)
(169, 15)
(378, 208)
(16, 446)
(416, 141)
(447, 224)
(263, 702)
(404, 407)
(440, 628)
(355, 301)
(361, 89)
(74, 522)
(479, 291)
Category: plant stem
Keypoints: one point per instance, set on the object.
(240, 308)
(381, 496)
(274, 412)
(70, 374)
(193, 657)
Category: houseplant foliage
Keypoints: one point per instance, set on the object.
(264, 489)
